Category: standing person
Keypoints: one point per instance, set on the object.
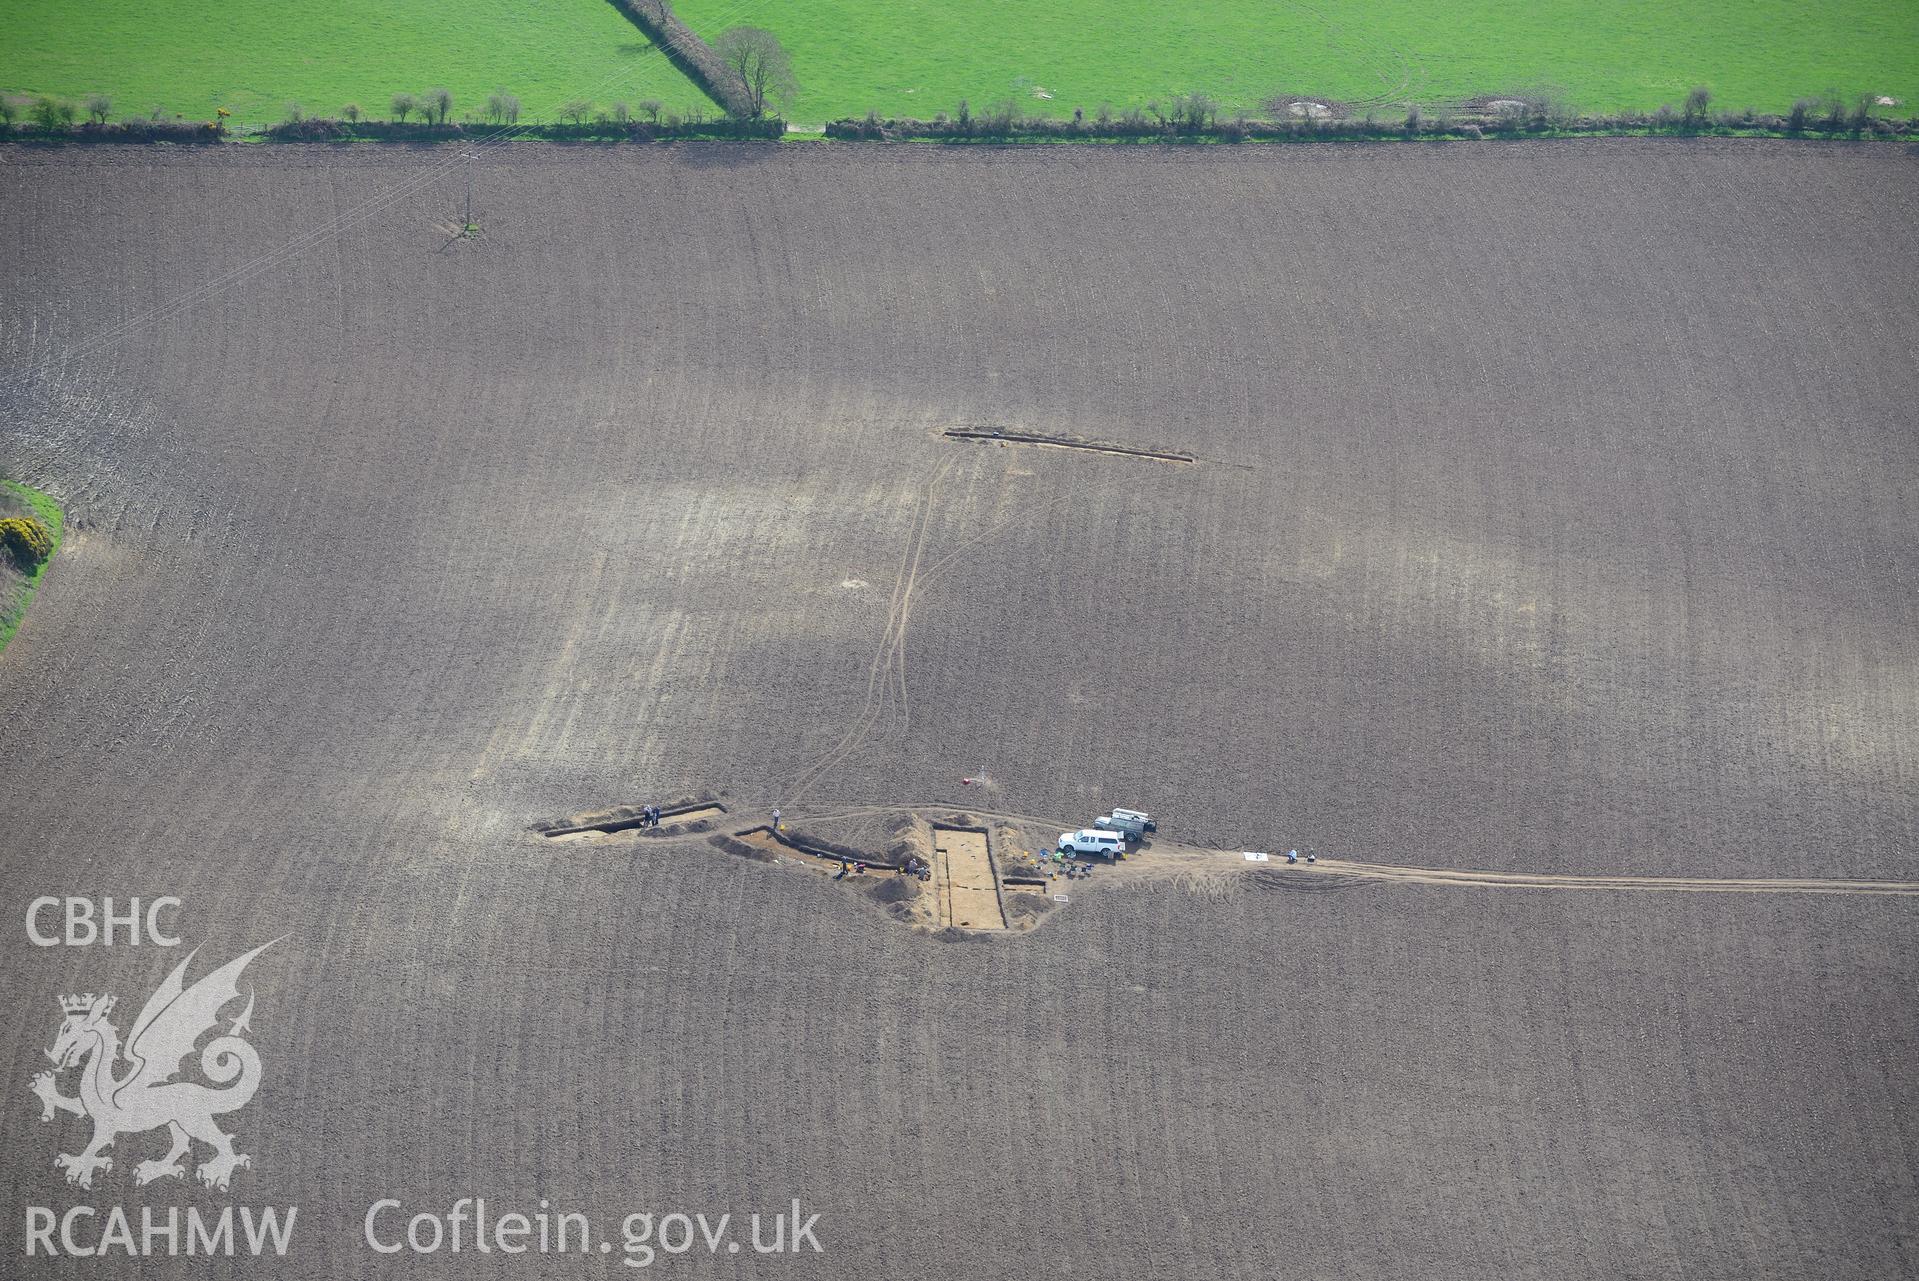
(776, 818)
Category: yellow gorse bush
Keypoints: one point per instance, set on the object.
(27, 539)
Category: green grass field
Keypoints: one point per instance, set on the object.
(254, 58)
(916, 57)
(16, 588)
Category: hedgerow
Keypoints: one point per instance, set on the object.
(695, 58)
(604, 129)
(90, 131)
(1186, 118)
(1193, 118)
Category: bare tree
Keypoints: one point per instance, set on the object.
(622, 112)
(98, 106)
(1861, 115)
(11, 105)
(1698, 105)
(50, 113)
(1193, 112)
(576, 111)
(1835, 108)
(352, 112)
(438, 104)
(404, 104)
(502, 107)
(651, 108)
(762, 64)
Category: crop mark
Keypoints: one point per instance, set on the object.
(1066, 442)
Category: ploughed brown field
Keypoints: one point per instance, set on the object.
(1550, 512)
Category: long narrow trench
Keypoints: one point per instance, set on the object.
(680, 816)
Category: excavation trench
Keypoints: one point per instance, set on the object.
(1066, 442)
(678, 816)
(764, 837)
(969, 891)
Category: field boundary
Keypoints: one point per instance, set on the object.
(55, 520)
(326, 129)
(1417, 125)
(774, 129)
(695, 59)
(1467, 124)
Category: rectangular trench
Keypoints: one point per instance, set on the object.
(969, 893)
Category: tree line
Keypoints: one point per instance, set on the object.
(1198, 117)
(755, 56)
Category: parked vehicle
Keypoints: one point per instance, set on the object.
(1141, 817)
(1108, 845)
(1124, 826)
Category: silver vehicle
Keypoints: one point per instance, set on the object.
(1124, 826)
(1141, 817)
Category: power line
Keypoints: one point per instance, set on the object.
(299, 244)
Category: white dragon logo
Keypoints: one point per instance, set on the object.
(146, 1096)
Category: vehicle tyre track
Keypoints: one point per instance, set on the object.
(1351, 870)
(886, 675)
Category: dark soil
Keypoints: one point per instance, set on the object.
(1571, 533)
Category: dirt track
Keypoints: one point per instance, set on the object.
(1551, 518)
(1659, 884)
(1160, 859)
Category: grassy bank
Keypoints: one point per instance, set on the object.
(254, 58)
(916, 57)
(17, 588)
